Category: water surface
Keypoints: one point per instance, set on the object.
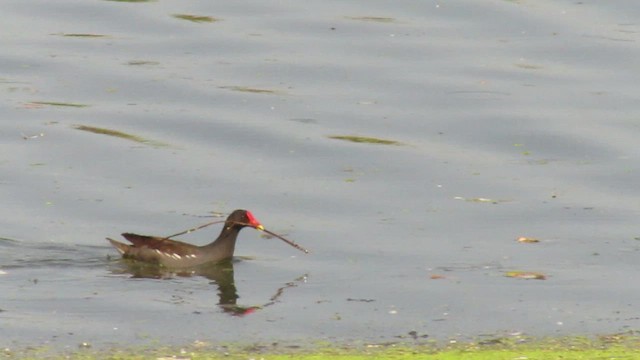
(513, 118)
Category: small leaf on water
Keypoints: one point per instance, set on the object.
(364, 139)
(527, 275)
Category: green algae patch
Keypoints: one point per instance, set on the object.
(529, 66)
(378, 19)
(142, 63)
(365, 140)
(616, 346)
(120, 134)
(247, 89)
(195, 18)
(82, 35)
(60, 104)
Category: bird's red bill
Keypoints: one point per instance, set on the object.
(253, 221)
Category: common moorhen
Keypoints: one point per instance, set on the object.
(177, 254)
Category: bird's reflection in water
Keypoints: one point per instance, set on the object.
(221, 274)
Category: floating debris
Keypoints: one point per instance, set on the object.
(56, 103)
(367, 102)
(524, 239)
(481, 200)
(120, 134)
(80, 35)
(29, 137)
(251, 90)
(142, 62)
(538, 161)
(527, 275)
(378, 19)
(196, 18)
(5, 239)
(529, 66)
(304, 120)
(365, 139)
(361, 300)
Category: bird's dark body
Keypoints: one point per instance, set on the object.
(178, 254)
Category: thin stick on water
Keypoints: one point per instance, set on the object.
(221, 221)
(287, 241)
(278, 236)
(195, 228)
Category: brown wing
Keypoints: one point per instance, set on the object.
(164, 245)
